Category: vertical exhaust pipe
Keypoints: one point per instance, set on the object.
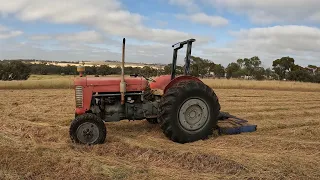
(122, 82)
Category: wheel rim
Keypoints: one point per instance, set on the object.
(87, 133)
(193, 114)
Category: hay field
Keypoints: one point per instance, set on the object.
(66, 82)
(34, 141)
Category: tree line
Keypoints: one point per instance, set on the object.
(21, 70)
(246, 68)
(282, 69)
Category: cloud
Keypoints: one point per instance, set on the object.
(84, 37)
(161, 23)
(80, 37)
(6, 32)
(271, 11)
(108, 20)
(190, 5)
(108, 16)
(202, 18)
(10, 34)
(37, 47)
(3, 28)
(315, 17)
(59, 51)
(270, 43)
(295, 38)
(40, 37)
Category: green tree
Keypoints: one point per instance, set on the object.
(231, 69)
(312, 66)
(211, 66)
(240, 62)
(219, 70)
(104, 70)
(300, 75)
(259, 73)
(200, 66)
(316, 78)
(148, 71)
(167, 69)
(14, 70)
(240, 72)
(116, 70)
(194, 70)
(282, 66)
(268, 73)
(179, 70)
(314, 69)
(251, 65)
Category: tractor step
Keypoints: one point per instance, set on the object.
(229, 124)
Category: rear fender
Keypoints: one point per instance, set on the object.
(179, 79)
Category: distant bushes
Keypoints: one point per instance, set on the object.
(21, 70)
(103, 70)
(14, 70)
(247, 68)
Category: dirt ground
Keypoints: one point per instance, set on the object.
(34, 141)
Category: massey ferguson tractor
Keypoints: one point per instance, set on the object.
(186, 108)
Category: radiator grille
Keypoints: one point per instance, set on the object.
(79, 96)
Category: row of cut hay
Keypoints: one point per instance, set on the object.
(60, 82)
(37, 84)
(261, 85)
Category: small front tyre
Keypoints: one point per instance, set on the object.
(88, 129)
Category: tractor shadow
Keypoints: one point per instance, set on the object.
(134, 129)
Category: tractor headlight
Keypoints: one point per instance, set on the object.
(79, 96)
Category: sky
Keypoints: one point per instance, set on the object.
(225, 30)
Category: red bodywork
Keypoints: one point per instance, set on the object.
(160, 82)
(92, 85)
(112, 84)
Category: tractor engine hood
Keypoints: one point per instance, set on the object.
(132, 83)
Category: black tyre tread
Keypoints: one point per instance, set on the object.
(152, 120)
(168, 102)
(88, 117)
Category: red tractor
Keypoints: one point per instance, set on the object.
(186, 108)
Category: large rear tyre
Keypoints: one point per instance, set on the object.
(189, 112)
(88, 129)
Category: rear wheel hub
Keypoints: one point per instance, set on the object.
(193, 114)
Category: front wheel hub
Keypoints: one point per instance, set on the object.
(87, 133)
(193, 114)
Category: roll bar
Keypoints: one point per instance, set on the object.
(175, 55)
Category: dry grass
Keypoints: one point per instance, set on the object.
(66, 82)
(261, 85)
(42, 82)
(34, 141)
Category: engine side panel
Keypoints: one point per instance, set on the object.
(105, 85)
(136, 107)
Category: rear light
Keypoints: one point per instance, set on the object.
(79, 97)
